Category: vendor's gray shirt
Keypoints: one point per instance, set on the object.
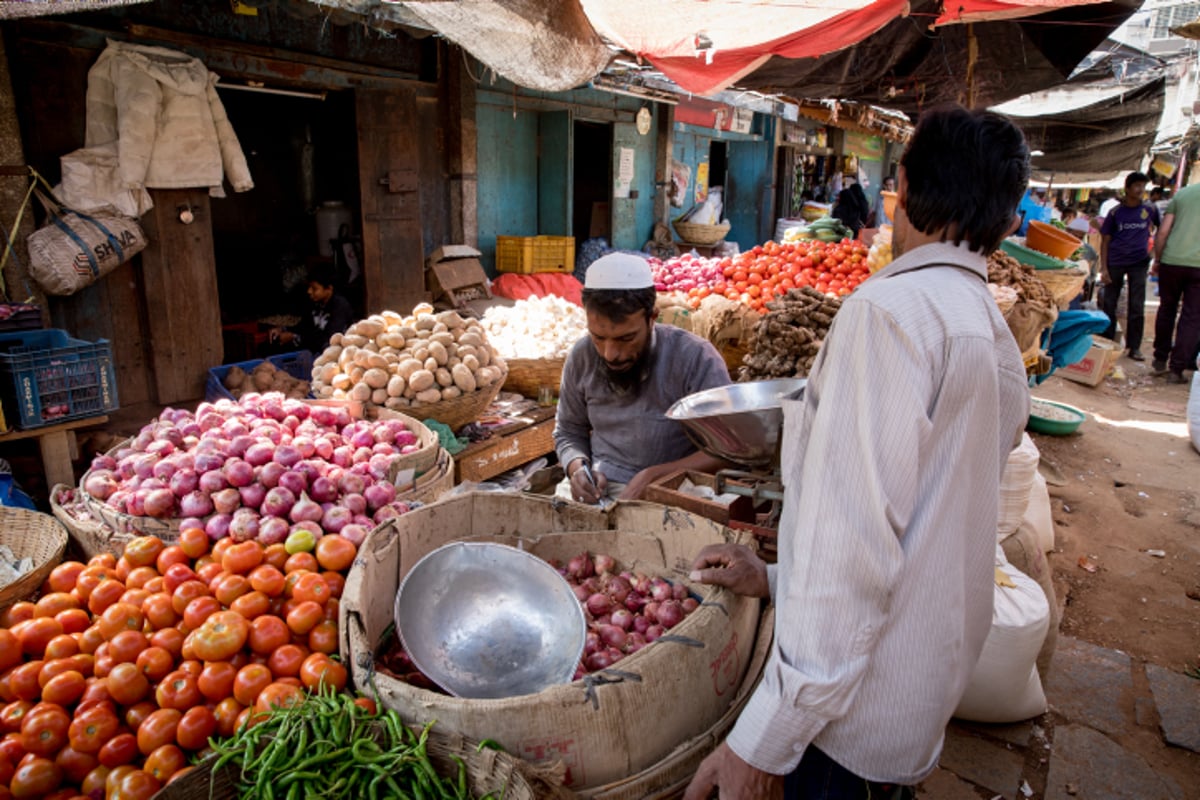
(623, 434)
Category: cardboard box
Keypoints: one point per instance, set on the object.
(1095, 366)
(454, 275)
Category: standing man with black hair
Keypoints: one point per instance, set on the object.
(1125, 253)
(612, 436)
(891, 463)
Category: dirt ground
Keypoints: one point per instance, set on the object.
(1131, 485)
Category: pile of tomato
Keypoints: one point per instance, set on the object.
(123, 668)
(764, 272)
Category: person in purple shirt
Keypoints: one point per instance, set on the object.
(1125, 254)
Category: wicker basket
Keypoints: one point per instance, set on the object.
(487, 771)
(694, 233)
(527, 375)
(126, 526)
(89, 535)
(30, 534)
(463, 409)
(1064, 284)
(433, 484)
(421, 461)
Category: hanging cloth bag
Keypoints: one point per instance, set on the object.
(74, 250)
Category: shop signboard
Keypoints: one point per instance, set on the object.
(864, 146)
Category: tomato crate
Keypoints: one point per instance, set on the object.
(46, 377)
(530, 254)
(297, 364)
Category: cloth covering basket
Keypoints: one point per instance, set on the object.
(695, 233)
(30, 534)
(527, 375)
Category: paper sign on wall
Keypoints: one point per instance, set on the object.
(701, 181)
(624, 173)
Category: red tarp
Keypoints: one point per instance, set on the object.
(521, 287)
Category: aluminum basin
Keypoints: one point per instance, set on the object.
(741, 422)
(486, 620)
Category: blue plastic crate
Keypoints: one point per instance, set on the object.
(48, 377)
(297, 364)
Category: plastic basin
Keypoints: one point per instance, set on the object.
(1043, 418)
(1050, 240)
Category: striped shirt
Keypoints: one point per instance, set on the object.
(891, 463)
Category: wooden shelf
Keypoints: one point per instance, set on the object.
(58, 446)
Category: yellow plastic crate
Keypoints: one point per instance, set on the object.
(530, 254)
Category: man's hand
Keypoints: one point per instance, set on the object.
(637, 485)
(734, 778)
(1154, 267)
(581, 489)
(734, 566)
(1105, 278)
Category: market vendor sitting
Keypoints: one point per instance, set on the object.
(617, 384)
(329, 313)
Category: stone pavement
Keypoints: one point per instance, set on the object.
(1115, 729)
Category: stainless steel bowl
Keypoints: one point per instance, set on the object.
(741, 422)
(486, 620)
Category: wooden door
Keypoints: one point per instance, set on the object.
(393, 256)
(183, 310)
(624, 195)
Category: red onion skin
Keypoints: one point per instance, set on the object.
(217, 526)
(634, 642)
(617, 588)
(100, 484)
(253, 495)
(240, 445)
(137, 503)
(634, 602)
(305, 510)
(287, 455)
(581, 593)
(591, 643)
(354, 533)
(206, 462)
(272, 530)
(164, 469)
(660, 590)
(640, 624)
(352, 484)
(650, 611)
(599, 660)
(581, 566)
(293, 481)
(622, 618)
(599, 604)
(259, 454)
(104, 462)
(270, 473)
(670, 614)
(679, 591)
(591, 584)
(336, 518)
(159, 503)
(323, 490)
(379, 495)
(612, 635)
(654, 632)
(356, 503)
(304, 445)
(310, 526)
(278, 502)
(195, 504)
(244, 525)
(604, 563)
(184, 481)
(238, 473)
(689, 605)
(212, 482)
(226, 501)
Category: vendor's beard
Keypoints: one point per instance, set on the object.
(629, 380)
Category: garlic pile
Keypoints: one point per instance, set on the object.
(396, 361)
(539, 327)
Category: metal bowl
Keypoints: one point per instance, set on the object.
(741, 422)
(486, 620)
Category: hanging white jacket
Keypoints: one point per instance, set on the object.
(161, 109)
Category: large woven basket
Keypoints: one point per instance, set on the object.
(433, 484)
(463, 409)
(527, 375)
(1064, 284)
(422, 460)
(89, 535)
(488, 771)
(30, 534)
(694, 233)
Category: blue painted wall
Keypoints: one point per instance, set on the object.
(508, 162)
(748, 175)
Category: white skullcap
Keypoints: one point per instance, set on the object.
(619, 271)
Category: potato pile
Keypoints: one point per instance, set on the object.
(787, 338)
(399, 362)
(266, 377)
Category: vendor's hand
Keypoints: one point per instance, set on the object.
(734, 778)
(1105, 278)
(636, 486)
(581, 489)
(734, 566)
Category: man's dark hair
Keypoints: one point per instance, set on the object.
(1157, 191)
(323, 274)
(966, 171)
(617, 304)
(1135, 177)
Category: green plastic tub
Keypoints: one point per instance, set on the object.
(1056, 419)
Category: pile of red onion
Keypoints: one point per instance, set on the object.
(259, 468)
(625, 610)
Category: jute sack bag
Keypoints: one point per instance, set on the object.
(74, 250)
